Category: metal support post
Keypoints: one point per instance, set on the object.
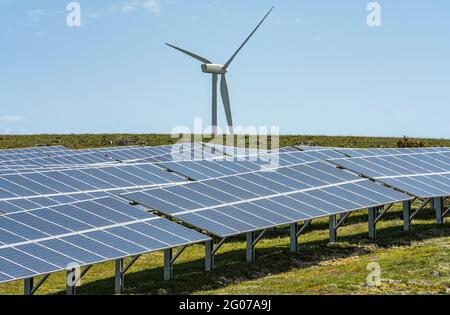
(168, 264)
(28, 286)
(209, 257)
(333, 228)
(71, 281)
(438, 207)
(250, 252)
(119, 277)
(372, 224)
(406, 215)
(294, 239)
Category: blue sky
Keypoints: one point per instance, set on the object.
(314, 67)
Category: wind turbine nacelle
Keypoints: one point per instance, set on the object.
(213, 68)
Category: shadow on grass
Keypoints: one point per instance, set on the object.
(231, 268)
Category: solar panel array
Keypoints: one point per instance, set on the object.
(424, 175)
(234, 151)
(367, 152)
(64, 159)
(44, 149)
(61, 206)
(387, 151)
(258, 200)
(33, 203)
(78, 158)
(57, 182)
(49, 239)
(204, 169)
(183, 151)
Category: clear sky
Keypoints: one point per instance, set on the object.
(314, 67)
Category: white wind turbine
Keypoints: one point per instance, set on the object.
(216, 70)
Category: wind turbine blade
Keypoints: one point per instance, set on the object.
(214, 103)
(200, 58)
(226, 99)
(248, 38)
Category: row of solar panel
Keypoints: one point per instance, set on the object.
(205, 169)
(367, 152)
(424, 175)
(25, 204)
(235, 151)
(33, 150)
(194, 155)
(134, 153)
(94, 156)
(270, 212)
(64, 159)
(230, 189)
(65, 219)
(429, 186)
(310, 190)
(87, 179)
(37, 202)
(57, 254)
(5, 170)
(183, 151)
(405, 164)
(388, 151)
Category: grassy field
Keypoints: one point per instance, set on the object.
(98, 140)
(416, 262)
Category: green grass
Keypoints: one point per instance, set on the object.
(105, 140)
(416, 262)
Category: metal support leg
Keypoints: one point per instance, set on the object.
(333, 229)
(438, 207)
(28, 286)
(71, 282)
(167, 264)
(250, 253)
(209, 257)
(294, 239)
(406, 215)
(372, 224)
(120, 277)
(343, 218)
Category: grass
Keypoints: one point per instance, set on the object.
(415, 262)
(106, 140)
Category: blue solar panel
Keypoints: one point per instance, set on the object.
(241, 203)
(14, 270)
(49, 239)
(420, 174)
(51, 183)
(224, 167)
(46, 254)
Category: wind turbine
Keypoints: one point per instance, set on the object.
(216, 70)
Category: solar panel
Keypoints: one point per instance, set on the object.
(366, 152)
(68, 158)
(423, 175)
(55, 182)
(205, 169)
(183, 151)
(44, 149)
(47, 240)
(241, 203)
